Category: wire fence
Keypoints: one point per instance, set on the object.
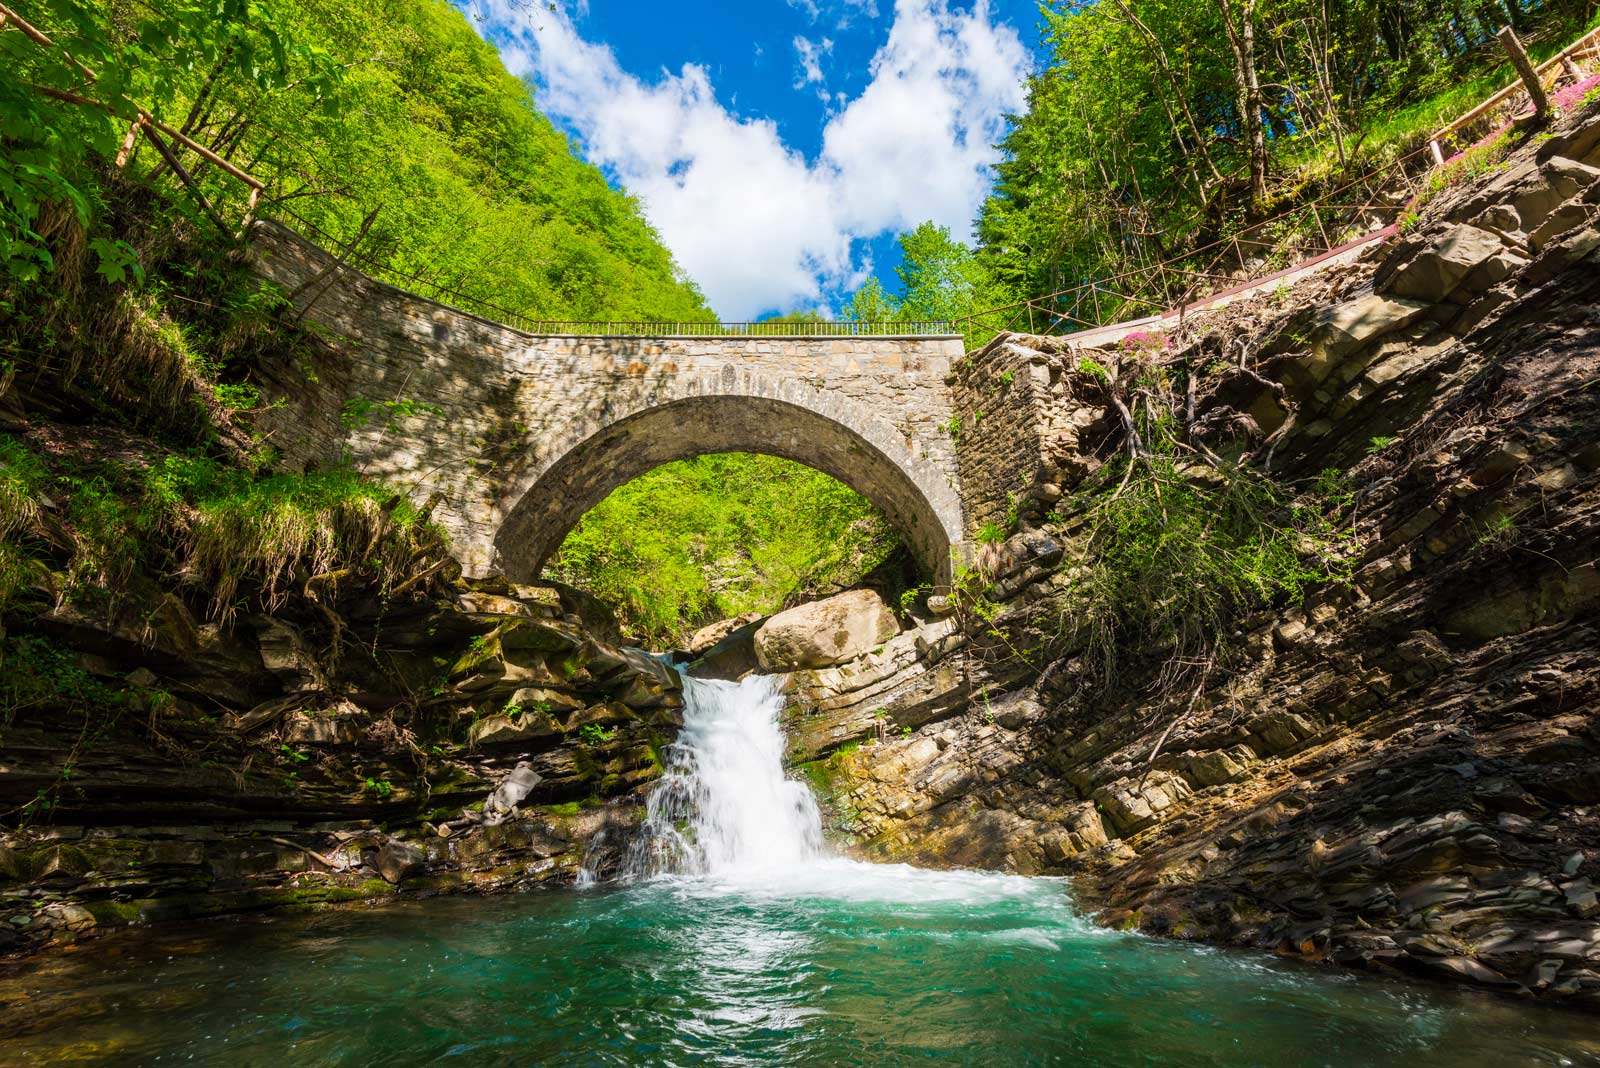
(654, 328)
(1361, 210)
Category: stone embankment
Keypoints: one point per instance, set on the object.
(468, 744)
(1405, 774)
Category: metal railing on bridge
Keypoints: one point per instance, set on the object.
(771, 328)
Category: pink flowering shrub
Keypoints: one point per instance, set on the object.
(1141, 343)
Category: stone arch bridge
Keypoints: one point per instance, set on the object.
(523, 433)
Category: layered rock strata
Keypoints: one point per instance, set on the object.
(1406, 772)
(480, 743)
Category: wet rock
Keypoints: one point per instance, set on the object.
(1469, 969)
(398, 860)
(825, 632)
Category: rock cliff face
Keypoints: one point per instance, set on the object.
(489, 741)
(1406, 771)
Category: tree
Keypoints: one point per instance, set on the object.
(940, 278)
(872, 304)
(1239, 23)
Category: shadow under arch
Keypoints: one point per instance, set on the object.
(912, 493)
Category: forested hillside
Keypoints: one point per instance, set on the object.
(1157, 128)
(391, 120)
(1161, 126)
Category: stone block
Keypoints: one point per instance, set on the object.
(1346, 328)
(1566, 218)
(397, 860)
(1438, 270)
(1130, 807)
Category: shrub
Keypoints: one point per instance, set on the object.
(1177, 550)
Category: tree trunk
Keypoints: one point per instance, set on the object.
(1242, 40)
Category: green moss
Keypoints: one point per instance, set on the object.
(564, 808)
(115, 912)
(484, 648)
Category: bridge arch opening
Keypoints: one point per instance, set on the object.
(915, 498)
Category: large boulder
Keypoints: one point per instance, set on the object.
(397, 860)
(732, 657)
(825, 632)
(712, 633)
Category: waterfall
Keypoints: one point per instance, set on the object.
(723, 805)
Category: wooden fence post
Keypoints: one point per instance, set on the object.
(1524, 65)
(1438, 153)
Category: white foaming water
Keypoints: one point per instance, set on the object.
(724, 806)
(725, 820)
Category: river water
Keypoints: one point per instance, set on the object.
(741, 941)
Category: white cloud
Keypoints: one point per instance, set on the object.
(755, 223)
(809, 54)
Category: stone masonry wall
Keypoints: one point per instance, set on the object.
(1001, 396)
(526, 433)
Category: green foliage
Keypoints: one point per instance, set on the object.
(594, 734)
(1498, 532)
(358, 413)
(143, 55)
(223, 529)
(476, 192)
(940, 279)
(799, 318)
(991, 534)
(1175, 555)
(1137, 145)
(379, 788)
(1378, 444)
(712, 537)
(322, 526)
(872, 304)
(1475, 162)
(36, 671)
(395, 112)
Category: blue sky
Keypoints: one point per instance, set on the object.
(779, 145)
